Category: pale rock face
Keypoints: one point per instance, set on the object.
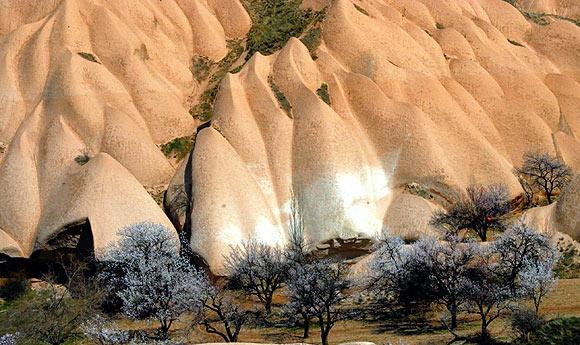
(424, 92)
(439, 93)
(56, 104)
(562, 216)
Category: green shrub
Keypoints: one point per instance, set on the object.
(524, 321)
(322, 92)
(568, 266)
(282, 100)
(237, 69)
(11, 289)
(312, 40)
(560, 331)
(83, 158)
(275, 21)
(88, 56)
(51, 313)
(178, 147)
(419, 190)
(203, 110)
(200, 67)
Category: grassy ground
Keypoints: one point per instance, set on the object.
(563, 301)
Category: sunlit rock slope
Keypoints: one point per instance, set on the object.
(105, 79)
(425, 98)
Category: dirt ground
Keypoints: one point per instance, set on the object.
(563, 301)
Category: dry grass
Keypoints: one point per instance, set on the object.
(563, 301)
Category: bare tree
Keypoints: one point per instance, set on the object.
(537, 281)
(318, 287)
(446, 266)
(518, 264)
(387, 265)
(150, 277)
(545, 172)
(217, 307)
(393, 276)
(257, 268)
(518, 249)
(485, 292)
(479, 210)
(298, 248)
(297, 253)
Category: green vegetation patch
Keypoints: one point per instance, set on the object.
(312, 40)
(203, 69)
(322, 92)
(178, 147)
(540, 18)
(568, 267)
(236, 69)
(88, 56)
(560, 331)
(83, 158)
(419, 190)
(282, 100)
(275, 21)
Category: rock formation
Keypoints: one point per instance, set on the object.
(98, 80)
(406, 103)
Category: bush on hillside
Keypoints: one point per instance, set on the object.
(275, 21)
(560, 331)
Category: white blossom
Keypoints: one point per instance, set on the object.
(537, 281)
(99, 330)
(9, 339)
(153, 281)
(317, 289)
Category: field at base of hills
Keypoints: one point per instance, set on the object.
(564, 301)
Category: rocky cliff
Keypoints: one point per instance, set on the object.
(398, 107)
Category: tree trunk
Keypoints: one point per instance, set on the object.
(306, 326)
(324, 337)
(484, 334)
(453, 312)
(163, 331)
(549, 196)
(323, 331)
(483, 234)
(268, 305)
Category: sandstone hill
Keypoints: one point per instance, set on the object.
(398, 107)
